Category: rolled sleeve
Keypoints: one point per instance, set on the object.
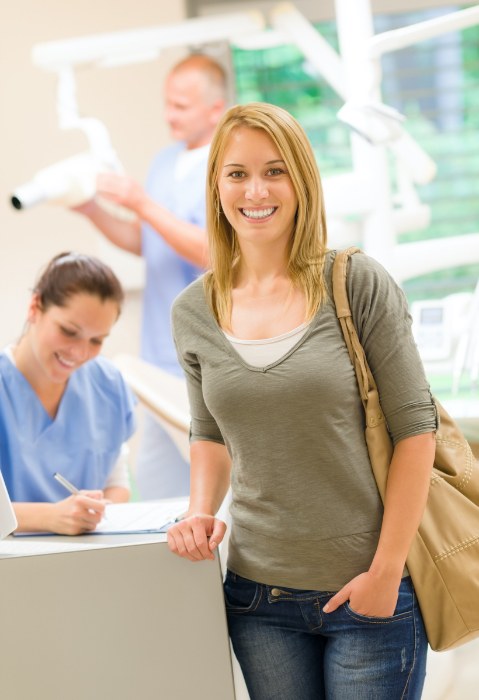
(381, 315)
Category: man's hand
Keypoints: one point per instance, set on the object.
(121, 189)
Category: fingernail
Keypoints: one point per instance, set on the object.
(212, 544)
(326, 607)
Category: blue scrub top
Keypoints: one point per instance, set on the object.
(82, 442)
(167, 274)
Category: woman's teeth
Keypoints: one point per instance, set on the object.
(258, 213)
(64, 361)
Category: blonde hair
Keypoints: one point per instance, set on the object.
(308, 241)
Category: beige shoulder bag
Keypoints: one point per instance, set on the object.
(444, 558)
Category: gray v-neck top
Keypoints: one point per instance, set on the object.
(306, 512)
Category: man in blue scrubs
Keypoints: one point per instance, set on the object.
(168, 232)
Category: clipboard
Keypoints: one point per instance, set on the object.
(133, 518)
(141, 517)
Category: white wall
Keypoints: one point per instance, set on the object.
(313, 9)
(127, 99)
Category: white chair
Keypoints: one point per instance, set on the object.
(163, 394)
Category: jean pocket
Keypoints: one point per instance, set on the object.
(241, 594)
(404, 606)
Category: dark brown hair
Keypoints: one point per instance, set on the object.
(68, 274)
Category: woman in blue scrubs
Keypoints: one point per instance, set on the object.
(63, 408)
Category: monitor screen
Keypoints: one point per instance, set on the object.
(8, 521)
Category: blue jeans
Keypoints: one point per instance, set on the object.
(288, 649)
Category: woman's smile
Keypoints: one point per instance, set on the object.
(255, 189)
(258, 214)
(64, 362)
(65, 337)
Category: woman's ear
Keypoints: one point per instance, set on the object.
(34, 308)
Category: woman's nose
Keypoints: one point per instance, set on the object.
(81, 351)
(256, 189)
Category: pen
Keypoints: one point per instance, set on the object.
(66, 484)
(69, 487)
(167, 525)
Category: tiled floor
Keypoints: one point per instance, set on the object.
(465, 685)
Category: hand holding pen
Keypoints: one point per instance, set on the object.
(79, 513)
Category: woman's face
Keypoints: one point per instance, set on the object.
(63, 338)
(255, 189)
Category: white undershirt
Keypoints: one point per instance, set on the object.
(187, 160)
(261, 353)
(119, 475)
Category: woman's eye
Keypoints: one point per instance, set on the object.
(67, 332)
(275, 171)
(96, 341)
(236, 175)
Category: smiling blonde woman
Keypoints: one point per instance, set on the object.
(318, 600)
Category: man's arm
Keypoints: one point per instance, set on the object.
(124, 234)
(188, 240)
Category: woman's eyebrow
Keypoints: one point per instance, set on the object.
(70, 323)
(241, 165)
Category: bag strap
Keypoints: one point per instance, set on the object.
(364, 376)
(377, 437)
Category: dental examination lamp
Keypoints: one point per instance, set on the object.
(381, 125)
(72, 181)
(69, 182)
